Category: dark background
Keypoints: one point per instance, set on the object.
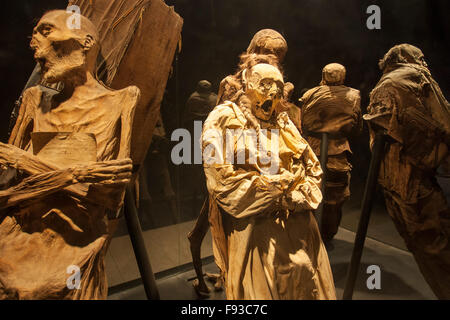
(215, 32)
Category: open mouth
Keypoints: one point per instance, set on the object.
(267, 105)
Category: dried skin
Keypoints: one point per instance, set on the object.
(56, 213)
(408, 105)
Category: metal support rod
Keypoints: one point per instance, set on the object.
(323, 164)
(366, 208)
(140, 251)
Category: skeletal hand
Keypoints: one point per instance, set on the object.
(108, 172)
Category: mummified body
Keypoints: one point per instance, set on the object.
(408, 105)
(335, 109)
(56, 207)
(266, 46)
(266, 240)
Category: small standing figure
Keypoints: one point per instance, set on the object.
(198, 106)
(200, 103)
(71, 150)
(266, 239)
(335, 109)
(408, 106)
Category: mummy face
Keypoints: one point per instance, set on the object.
(264, 88)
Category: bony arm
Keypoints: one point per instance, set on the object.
(38, 186)
(13, 157)
(35, 187)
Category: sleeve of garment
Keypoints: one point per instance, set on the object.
(240, 192)
(383, 110)
(304, 192)
(304, 100)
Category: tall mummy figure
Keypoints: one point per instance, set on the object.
(71, 152)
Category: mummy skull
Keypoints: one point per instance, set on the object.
(264, 87)
(62, 51)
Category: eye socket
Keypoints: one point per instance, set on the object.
(45, 29)
(266, 84)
